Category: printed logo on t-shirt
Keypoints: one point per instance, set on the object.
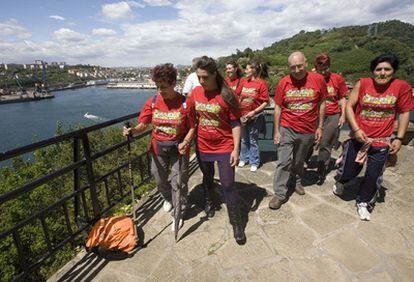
(209, 122)
(299, 106)
(299, 93)
(166, 122)
(331, 95)
(378, 108)
(210, 108)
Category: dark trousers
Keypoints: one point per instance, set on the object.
(349, 169)
(226, 173)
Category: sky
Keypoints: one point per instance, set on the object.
(149, 32)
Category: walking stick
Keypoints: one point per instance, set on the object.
(177, 207)
(131, 179)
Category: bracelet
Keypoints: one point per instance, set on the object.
(320, 127)
(399, 138)
(356, 130)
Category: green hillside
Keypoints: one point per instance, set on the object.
(351, 49)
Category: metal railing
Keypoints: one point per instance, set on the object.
(82, 207)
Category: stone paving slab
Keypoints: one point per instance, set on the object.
(315, 237)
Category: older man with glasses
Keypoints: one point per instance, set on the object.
(299, 104)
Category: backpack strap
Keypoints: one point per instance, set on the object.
(154, 99)
(183, 101)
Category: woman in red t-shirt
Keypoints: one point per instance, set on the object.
(171, 136)
(234, 75)
(216, 110)
(371, 111)
(254, 97)
(334, 112)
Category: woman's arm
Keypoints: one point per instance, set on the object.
(234, 157)
(350, 114)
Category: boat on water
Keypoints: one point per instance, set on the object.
(131, 85)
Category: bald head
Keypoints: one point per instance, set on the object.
(297, 64)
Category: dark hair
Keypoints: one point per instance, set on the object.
(166, 72)
(235, 65)
(389, 57)
(322, 59)
(209, 64)
(261, 68)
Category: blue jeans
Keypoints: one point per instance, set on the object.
(249, 147)
(349, 169)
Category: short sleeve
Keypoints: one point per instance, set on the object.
(323, 90)
(342, 88)
(405, 98)
(190, 111)
(263, 92)
(145, 116)
(279, 94)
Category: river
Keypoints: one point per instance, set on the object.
(21, 123)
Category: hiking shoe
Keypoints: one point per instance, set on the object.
(299, 189)
(362, 209)
(338, 188)
(179, 225)
(167, 206)
(253, 168)
(275, 203)
(241, 164)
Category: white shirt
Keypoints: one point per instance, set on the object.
(190, 83)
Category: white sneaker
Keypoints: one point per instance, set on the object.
(167, 206)
(338, 188)
(363, 211)
(241, 164)
(253, 168)
(179, 225)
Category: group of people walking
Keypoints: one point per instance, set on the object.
(226, 115)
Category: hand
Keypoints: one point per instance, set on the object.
(341, 121)
(318, 134)
(361, 136)
(182, 148)
(234, 158)
(395, 146)
(276, 138)
(127, 131)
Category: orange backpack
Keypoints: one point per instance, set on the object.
(115, 233)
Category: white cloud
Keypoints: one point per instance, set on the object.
(158, 2)
(56, 17)
(213, 28)
(14, 29)
(117, 11)
(103, 32)
(65, 34)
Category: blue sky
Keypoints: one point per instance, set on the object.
(147, 32)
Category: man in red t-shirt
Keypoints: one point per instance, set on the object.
(299, 104)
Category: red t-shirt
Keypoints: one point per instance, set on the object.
(169, 119)
(336, 91)
(377, 106)
(235, 83)
(214, 116)
(253, 93)
(299, 100)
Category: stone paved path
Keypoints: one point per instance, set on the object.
(315, 237)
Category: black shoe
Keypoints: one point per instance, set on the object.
(299, 189)
(209, 208)
(275, 203)
(321, 173)
(236, 222)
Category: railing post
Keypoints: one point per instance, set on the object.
(76, 178)
(90, 174)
